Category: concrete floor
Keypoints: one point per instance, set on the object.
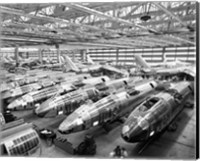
(171, 145)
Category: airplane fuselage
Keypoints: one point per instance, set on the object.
(107, 109)
(155, 114)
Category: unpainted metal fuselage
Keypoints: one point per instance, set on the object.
(27, 101)
(72, 100)
(155, 114)
(165, 68)
(106, 109)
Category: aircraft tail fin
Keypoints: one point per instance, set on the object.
(62, 60)
(89, 59)
(164, 58)
(141, 62)
(69, 64)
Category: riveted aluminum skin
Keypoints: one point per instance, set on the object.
(107, 109)
(72, 100)
(156, 113)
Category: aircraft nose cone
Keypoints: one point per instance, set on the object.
(65, 127)
(135, 129)
(12, 105)
(125, 133)
(17, 104)
(71, 124)
(136, 134)
(39, 111)
(44, 108)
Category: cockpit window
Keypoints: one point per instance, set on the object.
(152, 85)
(133, 92)
(178, 96)
(149, 104)
(125, 82)
(101, 86)
(103, 79)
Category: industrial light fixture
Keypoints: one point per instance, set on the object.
(145, 17)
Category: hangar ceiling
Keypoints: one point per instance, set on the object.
(99, 25)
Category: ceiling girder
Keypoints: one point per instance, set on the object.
(159, 39)
(169, 13)
(72, 33)
(158, 22)
(104, 7)
(12, 38)
(152, 13)
(38, 34)
(134, 9)
(111, 18)
(183, 40)
(55, 30)
(139, 42)
(52, 19)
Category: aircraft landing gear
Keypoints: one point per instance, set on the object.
(173, 127)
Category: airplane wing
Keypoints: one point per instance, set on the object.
(190, 71)
(89, 59)
(173, 71)
(114, 70)
(169, 72)
(70, 65)
(183, 62)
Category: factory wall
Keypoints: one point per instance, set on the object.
(53, 54)
(45, 53)
(151, 55)
(120, 56)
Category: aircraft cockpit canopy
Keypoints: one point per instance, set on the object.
(133, 92)
(149, 104)
(101, 86)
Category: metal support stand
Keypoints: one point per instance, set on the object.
(17, 56)
(40, 55)
(58, 53)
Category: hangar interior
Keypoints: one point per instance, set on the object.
(94, 65)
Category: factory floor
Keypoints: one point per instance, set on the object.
(171, 145)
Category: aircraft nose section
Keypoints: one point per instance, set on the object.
(6, 94)
(17, 104)
(4, 87)
(39, 114)
(12, 106)
(135, 131)
(71, 124)
(125, 133)
(47, 109)
(40, 111)
(66, 127)
(137, 134)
